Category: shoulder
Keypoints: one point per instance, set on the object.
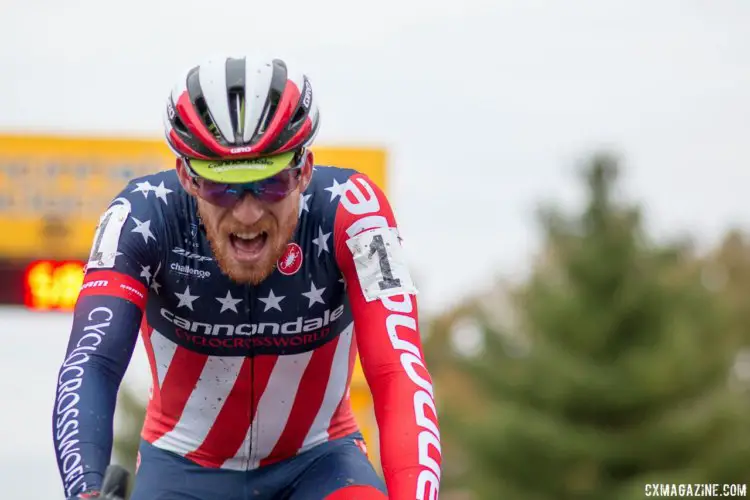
(149, 190)
(154, 197)
(318, 203)
(147, 210)
(328, 187)
(328, 182)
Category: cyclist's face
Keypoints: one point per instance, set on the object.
(248, 238)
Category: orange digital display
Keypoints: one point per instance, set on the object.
(52, 284)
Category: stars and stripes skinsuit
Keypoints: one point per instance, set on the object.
(250, 380)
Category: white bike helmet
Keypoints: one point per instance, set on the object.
(231, 108)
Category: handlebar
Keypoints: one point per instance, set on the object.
(114, 484)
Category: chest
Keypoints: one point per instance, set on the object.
(300, 306)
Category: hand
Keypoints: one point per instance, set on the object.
(114, 486)
(86, 495)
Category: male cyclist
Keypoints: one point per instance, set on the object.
(255, 279)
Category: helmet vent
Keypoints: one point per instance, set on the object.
(237, 112)
(202, 108)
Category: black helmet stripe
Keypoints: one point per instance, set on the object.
(179, 126)
(235, 72)
(298, 117)
(194, 89)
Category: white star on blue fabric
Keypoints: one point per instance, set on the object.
(143, 188)
(336, 189)
(272, 301)
(315, 295)
(321, 241)
(161, 192)
(146, 273)
(228, 302)
(303, 206)
(186, 300)
(144, 228)
(154, 285)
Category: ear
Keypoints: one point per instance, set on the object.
(185, 180)
(307, 170)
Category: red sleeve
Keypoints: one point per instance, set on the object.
(390, 350)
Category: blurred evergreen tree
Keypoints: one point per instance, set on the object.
(131, 413)
(624, 382)
(727, 271)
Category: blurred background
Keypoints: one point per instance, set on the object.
(570, 179)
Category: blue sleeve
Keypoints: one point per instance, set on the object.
(106, 322)
(105, 330)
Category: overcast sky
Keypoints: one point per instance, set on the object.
(485, 105)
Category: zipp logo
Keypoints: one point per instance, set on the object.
(191, 255)
(360, 199)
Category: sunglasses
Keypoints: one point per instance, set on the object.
(270, 190)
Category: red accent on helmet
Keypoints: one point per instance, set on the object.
(299, 138)
(188, 133)
(287, 104)
(183, 148)
(194, 123)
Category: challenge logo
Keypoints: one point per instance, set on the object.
(291, 260)
(189, 271)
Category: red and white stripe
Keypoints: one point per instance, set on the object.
(275, 405)
(201, 405)
(160, 353)
(204, 404)
(329, 415)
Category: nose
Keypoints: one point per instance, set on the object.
(248, 210)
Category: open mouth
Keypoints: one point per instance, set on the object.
(248, 245)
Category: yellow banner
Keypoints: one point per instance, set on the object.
(53, 189)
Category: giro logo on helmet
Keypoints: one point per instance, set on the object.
(308, 95)
(243, 149)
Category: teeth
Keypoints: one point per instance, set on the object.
(248, 236)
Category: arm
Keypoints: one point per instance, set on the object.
(384, 306)
(105, 329)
